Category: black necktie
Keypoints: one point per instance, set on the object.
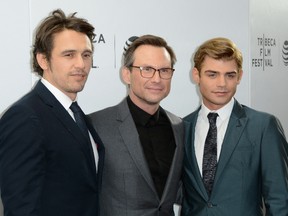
(79, 118)
(210, 154)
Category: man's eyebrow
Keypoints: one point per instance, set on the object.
(88, 50)
(68, 51)
(212, 71)
(230, 72)
(73, 51)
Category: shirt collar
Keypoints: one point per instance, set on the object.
(140, 116)
(60, 96)
(223, 113)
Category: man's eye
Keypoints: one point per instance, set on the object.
(87, 55)
(69, 55)
(147, 69)
(231, 76)
(164, 70)
(212, 75)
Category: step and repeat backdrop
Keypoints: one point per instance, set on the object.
(269, 58)
(184, 24)
(257, 27)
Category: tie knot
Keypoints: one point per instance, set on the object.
(75, 107)
(212, 117)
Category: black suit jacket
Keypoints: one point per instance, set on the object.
(47, 166)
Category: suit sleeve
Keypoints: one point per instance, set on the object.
(21, 162)
(274, 169)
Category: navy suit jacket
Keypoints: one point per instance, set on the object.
(252, 165)
(47, 166)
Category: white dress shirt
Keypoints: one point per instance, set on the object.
(202, 127)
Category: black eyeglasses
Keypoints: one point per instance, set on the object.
(148, 72)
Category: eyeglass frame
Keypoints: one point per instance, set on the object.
(159, 70)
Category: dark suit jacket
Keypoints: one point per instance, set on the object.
(46, 165)
(128, 188)
(253, 164)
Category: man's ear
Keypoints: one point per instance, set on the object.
(126, 75)
(196, 75)
(42, 61)
(240, 74)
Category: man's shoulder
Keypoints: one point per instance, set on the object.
(27, 101)
(103, 112)
(21, 111)
(173, 117)
(106, 113)
(190, 117)
(254, 113)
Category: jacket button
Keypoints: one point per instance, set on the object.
(210, 205)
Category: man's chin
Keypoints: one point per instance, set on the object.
(155, 101)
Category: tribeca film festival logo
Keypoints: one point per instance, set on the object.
(99, 39)
(264, 48)
(285, 53)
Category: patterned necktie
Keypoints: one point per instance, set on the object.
(210, 154)
(79, 118)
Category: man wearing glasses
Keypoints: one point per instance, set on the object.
(144, 142)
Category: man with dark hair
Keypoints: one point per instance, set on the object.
(143, 142)
(51, 158)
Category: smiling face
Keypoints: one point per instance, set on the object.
(147, 93)
(70, 62)
(217, 80)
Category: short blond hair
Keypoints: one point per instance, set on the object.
(218, 48)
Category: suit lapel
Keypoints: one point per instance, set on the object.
(63, 116)
(176, 165)
(233, 133)
(100, 150)
(191, 155)
(132, 142)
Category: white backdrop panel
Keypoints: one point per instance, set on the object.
(269, 74)
(183, 23)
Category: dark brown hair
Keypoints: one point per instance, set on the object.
(147, 40)
(53, 24)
